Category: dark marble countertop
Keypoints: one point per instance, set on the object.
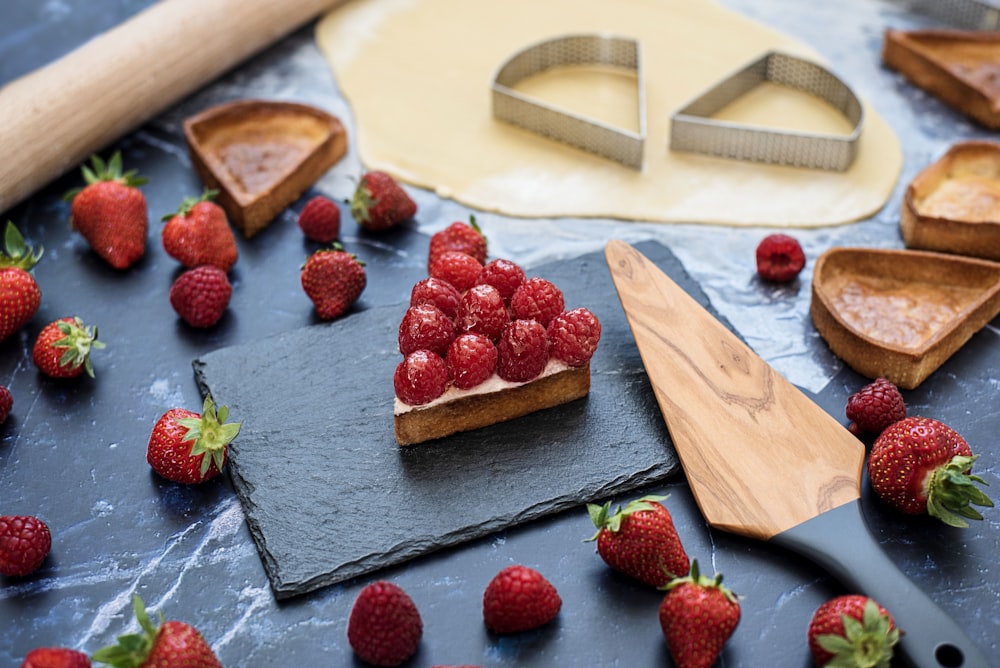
(74, 453)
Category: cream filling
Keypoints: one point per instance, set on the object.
(492, 384)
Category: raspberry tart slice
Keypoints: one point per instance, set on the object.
(511, 350)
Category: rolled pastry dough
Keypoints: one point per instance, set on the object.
(417, 74)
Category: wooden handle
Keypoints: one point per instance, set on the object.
(56, 117)
(839, 541)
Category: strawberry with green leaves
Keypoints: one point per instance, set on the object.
(198, 233)
(170, 644)
(921, 465)
(20, 295)
(333, 279)
(62, 349)
(379, 202)
(188, 447)
(852, 631)
(697, 616)
(640, 540)
(110, 211)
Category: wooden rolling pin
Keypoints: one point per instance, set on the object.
(55, 118)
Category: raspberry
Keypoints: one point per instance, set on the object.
(384, 628)
(320, 220)
(25, 541)
(459, 269)
(874, 407)
(6, 403)
(524, 351)
(333, 279)
(472, 358)
(504, 275)
(201, 295)
(461, 237)
(437, 292)
(482, 310)
(420, 378)
(779, 258)
(425, 327)
(573, 336)
(537, 299)
(518, 599)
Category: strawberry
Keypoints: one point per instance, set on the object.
(460, 269)
(379, 202)
(504, 275)
(6, 403)
(425, 327)
(518, 599)
(189, 448)
(201, 295)
(62, 349)
(169, 645)
(25, 541)
(471, 360)
(920, 465)
(110, 212)
(198, 233)
(333, 279)
(524, 351)
(779, 258)
(319, 220)
(874, 407)
(19, 293)
(852, 630)
(384, 627)
(573, 337)
(698, 615)
(55, 657)
(420, 378)
(461, 237)
(640, 540)
(537, 299)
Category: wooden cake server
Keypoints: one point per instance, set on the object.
(763, 460)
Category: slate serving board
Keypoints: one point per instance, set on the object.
(328, 494)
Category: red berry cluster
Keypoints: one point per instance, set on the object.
(385, 627)
(468, 321)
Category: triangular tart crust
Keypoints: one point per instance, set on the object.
(261, 155)
(900, 314)
(960, 67)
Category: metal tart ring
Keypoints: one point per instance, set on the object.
(611, 142)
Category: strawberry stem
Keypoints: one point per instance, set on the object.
(952, 492)
(133, 648)
(188, 203)
(867, 643)
(78, 340)
(603, 518)
(17, 253)
(210, 434)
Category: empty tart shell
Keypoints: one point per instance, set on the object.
(954, 204)
(261, 155)
(959, 67)
(900, 314)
